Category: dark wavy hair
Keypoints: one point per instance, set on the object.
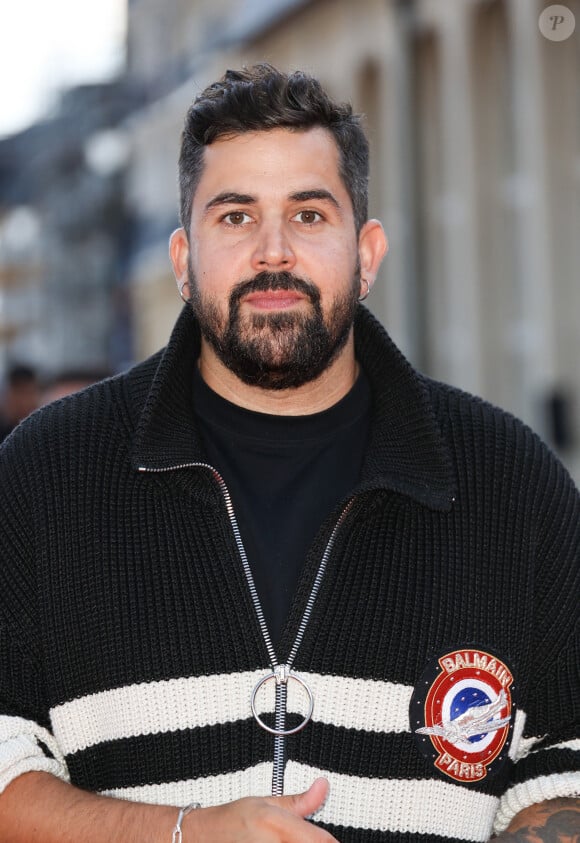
(259, 98)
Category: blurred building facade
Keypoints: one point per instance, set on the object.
(474, 123)
(64, 229)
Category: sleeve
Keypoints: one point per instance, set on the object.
(26, 742)
(547, 758)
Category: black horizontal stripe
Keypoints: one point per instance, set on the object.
(171, 756)
(545, 762)
(213, 750)
(376, 755)
(365, 835)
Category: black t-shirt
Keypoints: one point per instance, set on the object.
(286, 475)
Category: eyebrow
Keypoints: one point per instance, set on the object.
(228, 197)
(306, 195)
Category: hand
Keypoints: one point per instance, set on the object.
(273, 819)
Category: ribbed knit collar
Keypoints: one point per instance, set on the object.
(407, 452)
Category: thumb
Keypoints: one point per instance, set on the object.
(306, 803)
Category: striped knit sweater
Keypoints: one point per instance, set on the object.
(440, 650)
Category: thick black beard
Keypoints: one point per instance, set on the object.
(276, 350)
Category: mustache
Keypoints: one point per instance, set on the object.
(266, 281)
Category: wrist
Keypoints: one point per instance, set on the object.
(183, 812)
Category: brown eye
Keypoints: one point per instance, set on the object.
(308, 217)
(236, 218)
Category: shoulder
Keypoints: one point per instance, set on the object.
(103, 413)
(497, 452)
(478, 421)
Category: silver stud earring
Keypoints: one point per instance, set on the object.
(181, 296)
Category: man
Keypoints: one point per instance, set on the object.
(274, 559)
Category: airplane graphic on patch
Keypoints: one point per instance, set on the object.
(462, 713)
(475, 721)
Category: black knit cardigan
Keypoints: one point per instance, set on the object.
(129, 644)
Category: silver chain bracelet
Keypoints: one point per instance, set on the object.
(177, 833)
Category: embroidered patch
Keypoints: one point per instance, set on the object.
(462, 713)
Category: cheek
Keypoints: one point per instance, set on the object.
(213, 274)
(339, 256)
(218, 265)
(336, 271)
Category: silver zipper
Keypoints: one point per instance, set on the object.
(280, 673)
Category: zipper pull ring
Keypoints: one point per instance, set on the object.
(281, 674)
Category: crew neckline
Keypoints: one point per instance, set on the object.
(217, 410)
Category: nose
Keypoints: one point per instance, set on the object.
(273, 249)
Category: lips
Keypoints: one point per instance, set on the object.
(273, 299)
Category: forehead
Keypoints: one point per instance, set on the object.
(276, 162)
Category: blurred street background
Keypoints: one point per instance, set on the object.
(473, 111)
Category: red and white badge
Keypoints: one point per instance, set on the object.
(462, 713)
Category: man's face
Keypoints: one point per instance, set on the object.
(272, 262)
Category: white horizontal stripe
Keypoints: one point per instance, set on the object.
(414, 807)
(575, 744)
(536, 790)
(366, 704)
(212, 790)
(185, 703)
(153, 708)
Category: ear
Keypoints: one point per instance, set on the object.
(372, 247)
(179, 255)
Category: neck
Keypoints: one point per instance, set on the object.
(312, 397)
